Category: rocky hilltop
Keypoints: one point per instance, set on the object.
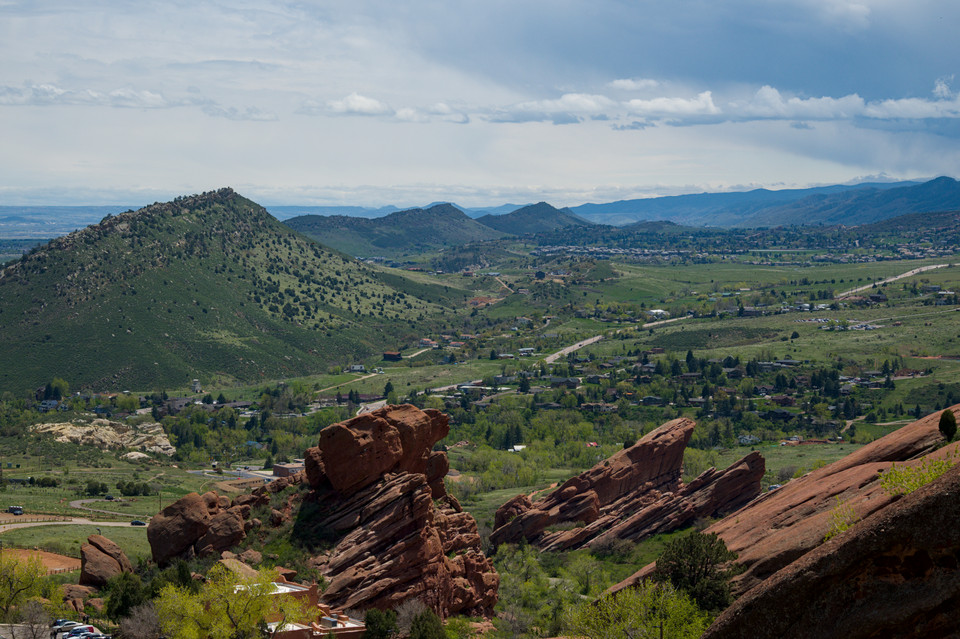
(110, 435)
(794, 581)
(636, 493)
(373, 501)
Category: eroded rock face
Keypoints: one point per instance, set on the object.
(356, 453)
(106, 434)
(101, 560)
(779, 538)
(636, 493)
(377, 496)
(392, 541)
(895, 574)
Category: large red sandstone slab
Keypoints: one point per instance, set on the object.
(895, 574)
(634, 494)
(784, 525)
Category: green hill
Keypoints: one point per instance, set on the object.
(536, 218)
(208, 285)
(400, 233)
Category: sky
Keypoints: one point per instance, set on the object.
(478, 103)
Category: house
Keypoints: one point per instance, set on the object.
(568, 382)
(357, 368)
(48, 404)
(288, 470)
(652, 400)
(195, 386)
(392, 356)
(783, 400)
(322, 622)
(748, 440)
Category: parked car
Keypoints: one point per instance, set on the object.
(63, 624)
(76, 631)
(108, 497)
(137, 522)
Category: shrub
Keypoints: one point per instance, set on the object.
(692, 564)
(841, 518)
(903, 480)
(948, 425)
(427, 625)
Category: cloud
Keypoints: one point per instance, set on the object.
(666, 107)
(50, 94)
(636, 84)
(941, 89)
(252, 114)
(569, 108)
(356, 104)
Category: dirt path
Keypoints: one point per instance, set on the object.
(75, 521)
(412, 355)
(350, 381)
(921, 269)
(503, 284)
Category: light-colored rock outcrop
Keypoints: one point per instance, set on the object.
(110, 435)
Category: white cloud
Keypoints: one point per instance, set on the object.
(356, 104)
(701, 105)
(941, 89)
(635, 84)
(50, 94)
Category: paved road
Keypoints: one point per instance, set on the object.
(72, 521)
(909, 273)
(550, 359)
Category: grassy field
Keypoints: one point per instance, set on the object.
(66, 539)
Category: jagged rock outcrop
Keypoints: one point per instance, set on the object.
(101, 560)
(198, 525)
(377, 498)
(776, 533)
(374, 481)
(636, 493)
(895, 574)
(110, 435)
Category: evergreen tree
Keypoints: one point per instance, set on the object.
(427, 625)
(948, 425)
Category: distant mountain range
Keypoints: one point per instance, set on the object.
(746, 208)
(535, 218)
(389, 228)
(205, 286)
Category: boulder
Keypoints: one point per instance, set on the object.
(357, 452)
(636, 493)
(197, 525)
(101, 560)
(895, 574)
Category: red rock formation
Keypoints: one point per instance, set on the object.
(894, 574)
(357, 452)
(785, 525)
(101, 560)
(392, 542)
(198, 525)
(374, 483)
(636, 493)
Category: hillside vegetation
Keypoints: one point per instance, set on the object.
(401, 233)
(205, 285)
(536, 218)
